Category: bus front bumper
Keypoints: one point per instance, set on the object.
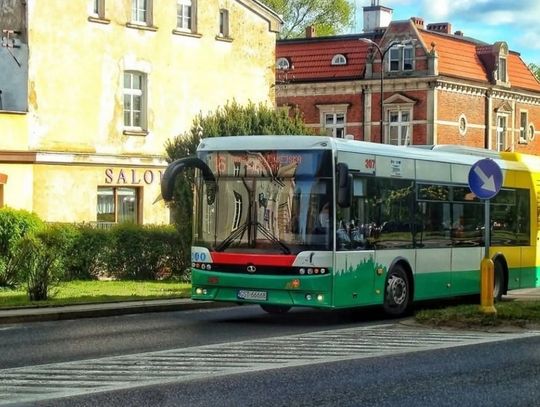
(290, 290)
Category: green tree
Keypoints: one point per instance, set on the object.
(535, 70)
(232, 119)
(329, 17)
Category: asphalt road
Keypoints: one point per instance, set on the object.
(59, 341)
(501, 374)
(505, 372)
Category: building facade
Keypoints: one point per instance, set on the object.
(411, 83)
(91, 90)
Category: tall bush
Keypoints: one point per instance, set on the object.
(15, 224)
(38, 265)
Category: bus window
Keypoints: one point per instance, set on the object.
(382, 215)
(435, 212)
(467, 224)
(509, 216)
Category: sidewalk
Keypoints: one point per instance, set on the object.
(133, 307)
(102, 310)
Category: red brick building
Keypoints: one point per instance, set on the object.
(438, 87)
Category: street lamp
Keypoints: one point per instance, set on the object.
(382, 53)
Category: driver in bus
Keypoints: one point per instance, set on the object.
(323, 220)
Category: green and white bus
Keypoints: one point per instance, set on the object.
(308, 221)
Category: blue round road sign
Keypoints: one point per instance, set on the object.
(485, 178)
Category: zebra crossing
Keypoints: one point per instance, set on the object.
(50, 381)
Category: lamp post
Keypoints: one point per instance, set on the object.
(382, 53)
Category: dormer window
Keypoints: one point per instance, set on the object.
(401, 58)
(502, 69)
(339, 59)
(283, 63)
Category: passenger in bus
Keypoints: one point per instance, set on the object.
(323, 220)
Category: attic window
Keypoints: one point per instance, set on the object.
(501, 73)
(339, 59)
(501, 68)
(283, 63)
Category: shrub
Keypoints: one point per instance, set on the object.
(38, 265)
(145, 252)
(86, 257)
(14, 225)
(60, 238)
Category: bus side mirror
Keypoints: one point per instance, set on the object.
(176, 167)
(344, 183)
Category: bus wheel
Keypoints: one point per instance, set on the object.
(275, 309)
(397, 295)
(498, 280)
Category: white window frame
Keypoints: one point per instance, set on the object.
(501, 132)
(134, 93)
(141, 12)
(502, 69)
(224, 30)
(403, 127)
(523, 126)
(186, 15)
(283, 63)
(396, 58)
(339, 59)
(335, 129)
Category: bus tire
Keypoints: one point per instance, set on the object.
(275, 309)
(498, 280)
(397, 292)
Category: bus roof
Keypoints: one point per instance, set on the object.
(441, 153)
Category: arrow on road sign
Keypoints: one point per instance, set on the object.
(488, 182)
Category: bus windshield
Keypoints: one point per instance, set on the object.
(266, 202)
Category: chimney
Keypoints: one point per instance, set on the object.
(376, 16)
(310, 31)
(418, 22)
(445, 28)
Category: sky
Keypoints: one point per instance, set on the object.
(513, 21)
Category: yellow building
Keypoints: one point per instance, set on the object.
(92, 89)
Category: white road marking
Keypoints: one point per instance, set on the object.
(50, 381)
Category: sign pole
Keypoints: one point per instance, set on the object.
(487, 268)
(485, 181)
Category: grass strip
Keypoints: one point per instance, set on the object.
(509, 313)
(85, 292)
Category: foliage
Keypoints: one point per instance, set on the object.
(535, 70)
(14, 226)
(38, 266)
(61, 238)
(144, 252)
(230, 120)
(329, 17)
(84, 252)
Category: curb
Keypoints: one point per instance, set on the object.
(102, 310)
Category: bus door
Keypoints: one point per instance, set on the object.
(354, 271)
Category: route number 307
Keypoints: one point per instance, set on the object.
(369, 163)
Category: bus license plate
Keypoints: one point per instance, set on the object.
(251, 295)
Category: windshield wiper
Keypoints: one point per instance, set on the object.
(238, 233)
